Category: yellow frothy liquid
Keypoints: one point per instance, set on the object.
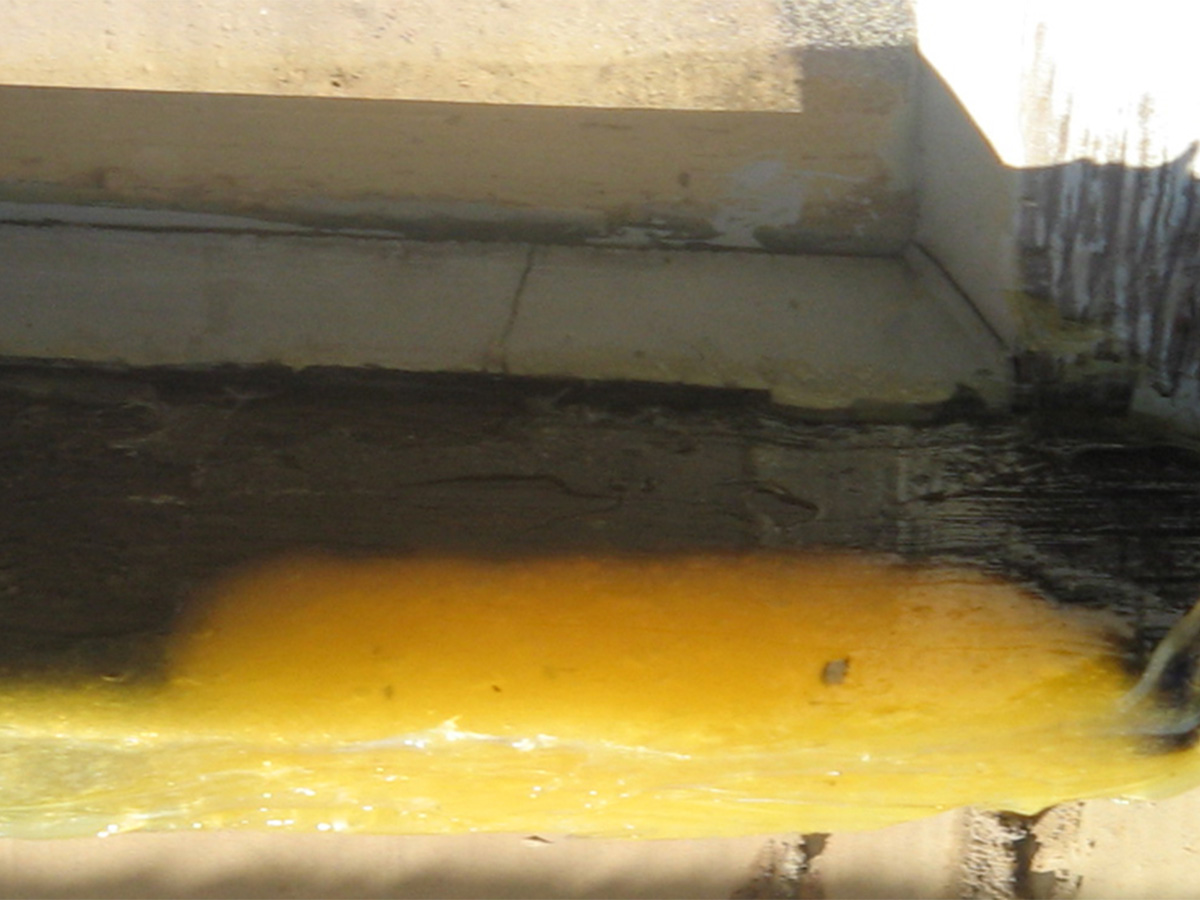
(665, 697)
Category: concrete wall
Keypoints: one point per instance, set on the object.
(166, 171)
(750, 124)
(818, 332)
(830, 180)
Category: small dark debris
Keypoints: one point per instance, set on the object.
(835, 671)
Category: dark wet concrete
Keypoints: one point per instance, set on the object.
(122, 491)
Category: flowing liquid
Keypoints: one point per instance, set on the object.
(671, 696)
(625, 671)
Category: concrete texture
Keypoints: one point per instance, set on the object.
(155, 298)
(966, 207)
(926, 858)
(233, 864)
(1102, 849)
(920, 860)
(666, 54)
(1057, 194)
(1093, 850)
(617, 176)
(835, 178)
(671, 54)
(821, 333)
(824, 333)
(686, 122)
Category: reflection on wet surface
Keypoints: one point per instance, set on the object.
(126, 490)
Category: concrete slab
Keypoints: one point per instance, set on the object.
(917, 859)
(247, 864)
(834, 179)
(816, 332)
(672, 54)
(154, 297)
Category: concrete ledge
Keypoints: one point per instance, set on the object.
(661, 54)
(240, 864)
(1057, 191)
(151, 298)
(815, 332)
(833, 179)
(947, 856)
(1101, 849)
(748, 124)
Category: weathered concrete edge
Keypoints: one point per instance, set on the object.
(663, 54)
(833, 179)
(819, 332)
(1105, 849)
(961, 853)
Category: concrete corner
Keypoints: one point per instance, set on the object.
(815, 332)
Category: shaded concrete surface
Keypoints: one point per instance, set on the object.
(124, 490)
(247, 864)
(815, 331)
(836, 179)
(742, 123)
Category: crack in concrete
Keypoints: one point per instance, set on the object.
(497, 360)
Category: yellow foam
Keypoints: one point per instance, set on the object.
(666, 697)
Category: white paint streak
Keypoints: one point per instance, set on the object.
(762, 193)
